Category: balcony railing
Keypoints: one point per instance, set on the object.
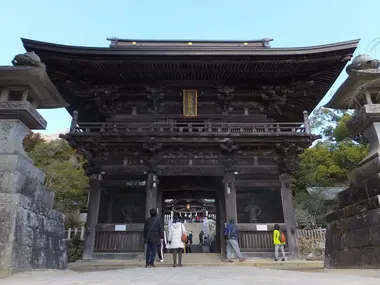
(192, 128)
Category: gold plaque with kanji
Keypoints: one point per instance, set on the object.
(190, 103)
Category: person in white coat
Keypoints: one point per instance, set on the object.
(175, 243)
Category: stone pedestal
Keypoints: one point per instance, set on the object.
(353, 231)
(31, 233)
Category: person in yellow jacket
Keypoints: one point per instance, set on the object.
(277, 243)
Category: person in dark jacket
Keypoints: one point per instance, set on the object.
(153, 236)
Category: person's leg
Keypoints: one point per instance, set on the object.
(162, 251)
(283, 252)
(147, 257)
(180, 258)
(229, 250)
(159, 252)
(175, 250)
(235, 246)
(276, 252)
(153, 254)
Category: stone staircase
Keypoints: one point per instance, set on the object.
(115, 261)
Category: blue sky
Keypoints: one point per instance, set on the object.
(90, 22)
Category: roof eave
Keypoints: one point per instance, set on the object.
(189, 50)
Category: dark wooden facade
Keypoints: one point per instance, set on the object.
(248, 123)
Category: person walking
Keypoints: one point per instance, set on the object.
(176, 243)
(201, 234)
(189, 242)
(153, 236)
(231, 235)
(279, 241)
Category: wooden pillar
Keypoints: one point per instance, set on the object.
(92, 217)
(230, 196)
(74, 122)
(151, 193)
(220, 224)
(160, 206)
(289, 215)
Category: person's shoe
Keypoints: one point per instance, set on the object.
(147, 266)
(152, 265)
(283, 259)
(230, 261)
(276, 259)
(242, 259)
(161, 260)
(174, 265)
(179, 265)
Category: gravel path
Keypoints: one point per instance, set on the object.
(189, 276)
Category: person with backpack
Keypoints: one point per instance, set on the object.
(231, 235)
(279, 240)
(153, 236)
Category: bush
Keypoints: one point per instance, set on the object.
(312, 247)
(75, 249)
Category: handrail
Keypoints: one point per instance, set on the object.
(188, 127)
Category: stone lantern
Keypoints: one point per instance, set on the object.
(31, 233)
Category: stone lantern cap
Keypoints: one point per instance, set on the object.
(23, 111)
(363, 80)
(34, 79)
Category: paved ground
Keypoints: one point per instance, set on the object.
(191, 276)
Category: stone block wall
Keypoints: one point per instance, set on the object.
(353, 231)
(32, 234)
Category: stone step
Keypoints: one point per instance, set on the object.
(102, 265)
(196, 252)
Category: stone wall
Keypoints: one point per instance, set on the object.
(353, 232)
(31, 232)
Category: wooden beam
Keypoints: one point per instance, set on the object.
(244, 227)
(257, 184)
(187, 195)
(239, 184)
(181, 170)
(108, 227)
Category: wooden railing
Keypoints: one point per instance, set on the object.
(73, 233)
(119, 241)
(108, 240)
(215, 128)
(252, 240)
(255, 241)
(316, 234)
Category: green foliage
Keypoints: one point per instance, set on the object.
(332, 125)
(64, 173)
(328, 162)
(75, 249)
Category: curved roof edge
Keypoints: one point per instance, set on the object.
(189, 49)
